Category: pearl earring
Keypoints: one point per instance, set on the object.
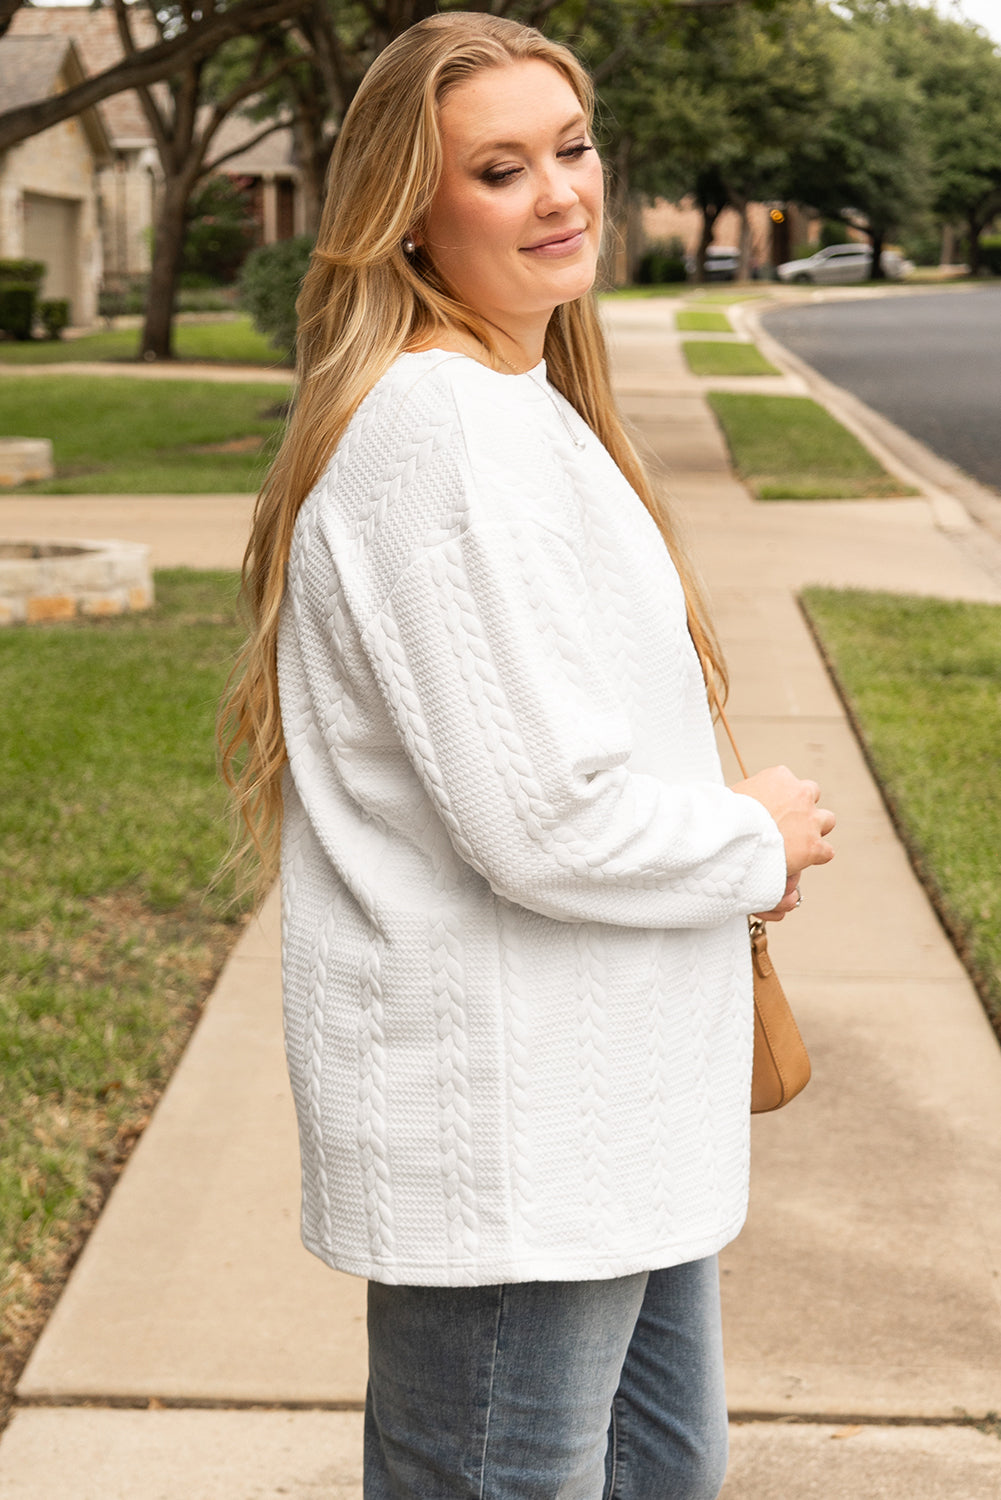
(408, 246)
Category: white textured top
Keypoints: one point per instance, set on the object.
(517, 984)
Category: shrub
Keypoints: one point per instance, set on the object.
(126, 294)
(663, 262)
(990, 253)
(55, 315)
(923, 247)
(219, 235)
(22, 272)
(269, 285)
(206, 299)
(17, 309)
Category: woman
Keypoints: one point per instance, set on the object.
(517, 986)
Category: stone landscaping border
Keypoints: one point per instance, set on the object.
(65, 579)
(23, 460)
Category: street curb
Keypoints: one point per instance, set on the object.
(959, 503)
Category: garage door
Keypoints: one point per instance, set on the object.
(52, 235)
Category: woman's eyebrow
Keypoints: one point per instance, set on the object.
(577, 119)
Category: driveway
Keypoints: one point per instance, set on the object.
(930, 362)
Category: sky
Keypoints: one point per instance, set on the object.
(986, 13)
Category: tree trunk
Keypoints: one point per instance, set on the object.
(312, 152)
(613, 270)
(877, 236)
(635, 239)
(948, 245)
(710, 213)
(744, 264)
(974, 230)
(184, 125)
(168, 242)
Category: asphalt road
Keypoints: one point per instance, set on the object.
(929, 362)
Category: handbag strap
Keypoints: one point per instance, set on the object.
(700, 641)
(729, 734)
(757, 927)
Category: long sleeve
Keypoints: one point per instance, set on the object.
(493, 665)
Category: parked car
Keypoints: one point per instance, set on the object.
(722, 263)
(840, 265)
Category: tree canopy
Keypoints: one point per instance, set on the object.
(883, 114)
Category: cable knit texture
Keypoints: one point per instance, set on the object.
(517, 982)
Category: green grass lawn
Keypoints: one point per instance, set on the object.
(676, 289)
(789, 448)
(722, 295)
(232, 341)
(112, 822)
(709, 358)
(120, 435)
(640, 293)
(922, 678)
(702, 320)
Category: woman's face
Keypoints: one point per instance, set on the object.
(515, 226)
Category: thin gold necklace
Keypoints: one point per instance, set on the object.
(513, 368)
(506, 362)
(574, 437)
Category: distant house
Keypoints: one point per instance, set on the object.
(267, 175)
(127, 179)
(48, 183)
(774, 233)
(126, 183)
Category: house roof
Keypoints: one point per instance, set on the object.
(34, 67)
(273, 154)
(95, 33)
(94, 30)
(29, 68)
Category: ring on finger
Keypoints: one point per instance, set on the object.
(799, 898)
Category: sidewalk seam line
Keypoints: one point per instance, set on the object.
(181, 1403)
(735, 1415)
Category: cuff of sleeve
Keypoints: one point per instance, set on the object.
(767, 875)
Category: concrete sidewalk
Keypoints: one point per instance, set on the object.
(219, 1361)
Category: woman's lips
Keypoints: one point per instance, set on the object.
(557, 248)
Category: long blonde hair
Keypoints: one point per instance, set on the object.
(363, 302)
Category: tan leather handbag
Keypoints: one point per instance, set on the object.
(781, 1063)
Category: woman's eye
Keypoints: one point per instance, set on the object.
(500, 174)
(496, 176)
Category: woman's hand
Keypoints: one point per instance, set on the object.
(789, 903)
(803, 824)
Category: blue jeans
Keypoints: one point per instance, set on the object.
(548, 1390)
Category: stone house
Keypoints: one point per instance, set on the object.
(48, 183)
(267, 174)
(126, 182)
(127, 179)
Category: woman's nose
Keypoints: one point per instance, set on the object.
(556, 191)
